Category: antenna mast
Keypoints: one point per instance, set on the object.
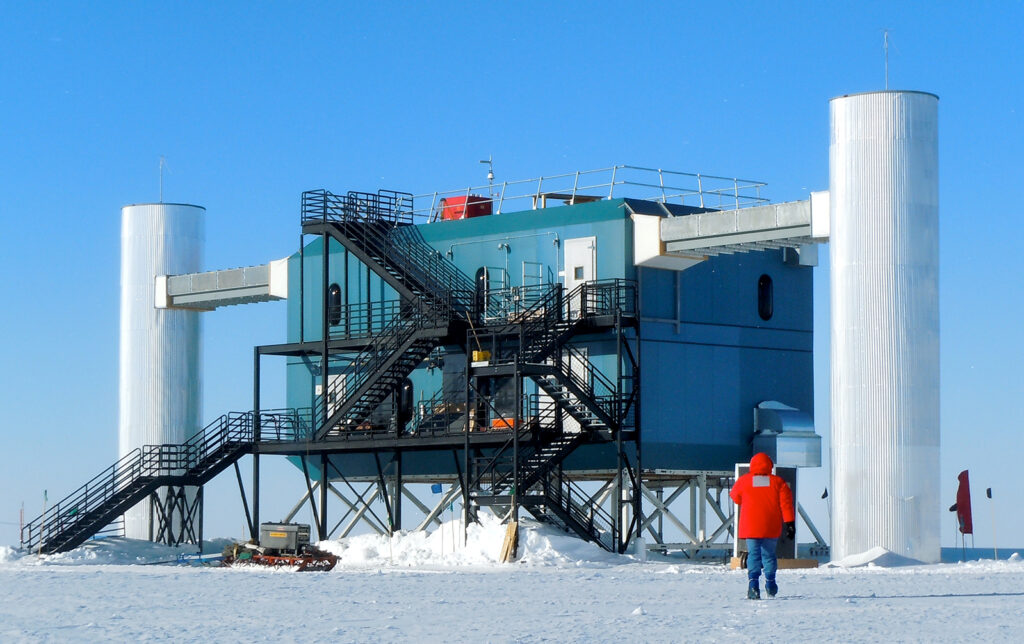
(163, 164)
(885, 45)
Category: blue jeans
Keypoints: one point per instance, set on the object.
(761, 552)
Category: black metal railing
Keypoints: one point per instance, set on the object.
(577, 368)
(528, 334)
(437, 416)
(152, 466)
(85, 499)
(607, 297)
(495, 471)
(536, 457)
(345, 401)
(516, 303)
(581, 508)
(321, 206)
(361, 320)
(533, 335)
(378, 225)
(291, 425)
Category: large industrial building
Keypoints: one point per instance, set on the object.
(589, 348)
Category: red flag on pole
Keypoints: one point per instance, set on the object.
(963, 504)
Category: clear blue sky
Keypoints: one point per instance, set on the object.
(253, 104)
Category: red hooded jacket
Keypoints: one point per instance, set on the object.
(765, 501)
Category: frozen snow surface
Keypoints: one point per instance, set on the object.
(877, 556)
(421, 587)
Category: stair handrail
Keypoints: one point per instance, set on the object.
(497, 456)
(528, 477)
(148, 461)
(590, 381)
(109, 481)
(372, 358)
(585, 517)
(383, 220)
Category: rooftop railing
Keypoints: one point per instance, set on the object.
(618, 181)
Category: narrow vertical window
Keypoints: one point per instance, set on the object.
(765, 297)
(334, 304)
(483, 286)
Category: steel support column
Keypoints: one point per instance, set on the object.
(254, 527)
(322, 519)
(396, 493)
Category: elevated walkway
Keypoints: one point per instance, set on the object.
(677, 243)
(212, 289)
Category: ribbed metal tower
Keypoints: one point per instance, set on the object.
(884, 246)
(160, 386)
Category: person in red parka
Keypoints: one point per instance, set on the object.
(766, 503)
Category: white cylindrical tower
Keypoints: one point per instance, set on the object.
(160, 390)
(884, 245)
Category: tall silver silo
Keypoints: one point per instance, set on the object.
(884, 246)
(160, 386)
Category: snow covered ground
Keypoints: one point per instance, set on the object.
(428, 588)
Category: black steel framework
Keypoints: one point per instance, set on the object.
(174, 518)
(506, 459)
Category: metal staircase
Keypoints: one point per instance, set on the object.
(376, 228)
(589, 397)
(376, 371)
(536, 343)
(566, 505)
(83, 513)
(438, 304)
(545, 491)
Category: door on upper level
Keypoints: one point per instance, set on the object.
(580, 262)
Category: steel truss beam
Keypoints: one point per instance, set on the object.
(707, 491)
(174, 519)
(359, 508)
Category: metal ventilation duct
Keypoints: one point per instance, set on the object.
(160, 388)
(885, 323)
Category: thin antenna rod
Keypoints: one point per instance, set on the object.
(163, 164)
(885, 45)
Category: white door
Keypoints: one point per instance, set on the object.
(580, 262)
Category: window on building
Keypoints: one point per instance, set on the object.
(483, 286)
(765, 297)
(334, 304)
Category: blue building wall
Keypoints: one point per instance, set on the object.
(705, 369)
(707, 357)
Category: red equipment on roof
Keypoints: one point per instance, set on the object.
(463, 207)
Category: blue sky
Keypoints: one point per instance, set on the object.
(252, 103)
